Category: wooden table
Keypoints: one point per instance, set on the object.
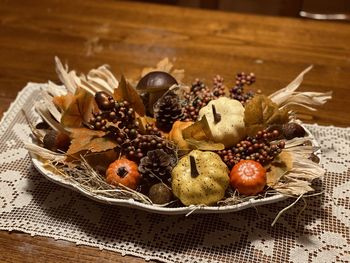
(130, 36)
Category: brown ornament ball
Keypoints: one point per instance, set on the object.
(292, 130)
(152, 86)
(160, 194)
(56, 141)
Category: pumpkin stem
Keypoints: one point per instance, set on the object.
(122, 171)
(194, 170)
(217, 116)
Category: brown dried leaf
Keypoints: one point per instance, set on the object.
(261, 112)
(84, 139)
(126, 92)
(64, 101)
(79, 110)
(282, 164)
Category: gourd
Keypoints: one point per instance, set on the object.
(123, 171)
(248, 177)
(225, 119)
(200, 178)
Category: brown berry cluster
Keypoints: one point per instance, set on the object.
(237, 92)
(258, 148)
(118, 120)
(112, 111)
(200, 95)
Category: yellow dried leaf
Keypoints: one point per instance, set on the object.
(205, 145)
(282, 164)
(261, 112)
(199, 131)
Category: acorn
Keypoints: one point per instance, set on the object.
(160, 194)
(56, 141)
(152, 86)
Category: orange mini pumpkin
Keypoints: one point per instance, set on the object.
(248, 177)
(125, 172)
(175, 134)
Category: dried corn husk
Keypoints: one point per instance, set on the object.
(288, 96)
(45, 154)
(297, 180)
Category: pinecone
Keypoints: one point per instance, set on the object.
(167, 111)
(156, 166)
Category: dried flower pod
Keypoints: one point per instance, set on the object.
(56, 141)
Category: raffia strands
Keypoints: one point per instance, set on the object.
(288, 96)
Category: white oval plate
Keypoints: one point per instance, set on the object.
(157, 209)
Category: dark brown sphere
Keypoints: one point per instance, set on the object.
(103, 100)
(56, 141)
(152, 86)
(292, 130)
(160, 194)
(156, 80)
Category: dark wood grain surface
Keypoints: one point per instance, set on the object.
(130, 36)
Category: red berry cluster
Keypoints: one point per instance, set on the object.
(258, 148)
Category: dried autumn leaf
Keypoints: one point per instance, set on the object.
(79, 110)
(279, 167)
(64, 101)
(261, 112)
(84, 139)
(199, 136)
(126, 92)
(199, 131)
(205, 145)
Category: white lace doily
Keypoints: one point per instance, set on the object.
(34, 205)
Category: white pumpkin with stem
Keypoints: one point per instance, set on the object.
(225, 119)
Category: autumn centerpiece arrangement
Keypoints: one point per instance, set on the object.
(164, 143)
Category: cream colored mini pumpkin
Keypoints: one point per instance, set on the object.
(200, 178)
(226, 120)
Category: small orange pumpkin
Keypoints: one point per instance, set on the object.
(175, 134)
(248, 177)
(125, 172)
